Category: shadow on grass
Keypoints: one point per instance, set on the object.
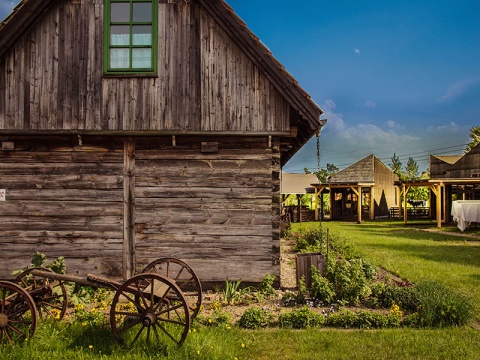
(458, 254)
(95, 338)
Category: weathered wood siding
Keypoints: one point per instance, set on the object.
(213, 210)
(384, 189)
(468, 166)
(52, 78)
(62, 199)
(111, 205)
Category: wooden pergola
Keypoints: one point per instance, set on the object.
(356, 189)
(437, 187)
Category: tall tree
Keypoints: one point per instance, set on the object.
(474, 138)
(411, 169)
(396, 166)
(325, 173)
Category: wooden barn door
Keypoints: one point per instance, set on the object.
(63, 197)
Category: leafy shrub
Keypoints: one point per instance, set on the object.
(349, 281)
(254, 318)
(310, 240)
(383, 295)
(441, 306)
(321, 289)
(300, 319)
(266, 285)
(362, 320)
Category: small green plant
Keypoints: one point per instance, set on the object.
(88, 317)
(362, 319)
(321, 289)
(231, 293)
(441, 306)
(255, 318)
(218, 318)
(302, 292)
(289, 298)
(266, 285)
(300, 319)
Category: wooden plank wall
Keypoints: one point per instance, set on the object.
(64, 197)
(53, 79)
(213, 210)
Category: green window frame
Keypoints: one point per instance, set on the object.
(130, 36)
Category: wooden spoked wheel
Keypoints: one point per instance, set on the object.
(185, 278)
(149, 309)
(18, 315)
(50, 296)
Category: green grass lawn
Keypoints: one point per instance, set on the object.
(59, 341)
(408, 251)
(413, 253)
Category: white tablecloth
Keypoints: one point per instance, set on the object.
(465, 212)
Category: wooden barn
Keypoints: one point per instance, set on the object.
(364, 190)
(457, 177)
(452, 178)
(135, 129)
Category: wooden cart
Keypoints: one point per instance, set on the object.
(155, 305)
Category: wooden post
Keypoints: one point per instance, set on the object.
(405, 220)
(129, 209)
(316, 203)
(359, 205)
(372, 203)
(439, 205)
(299, 208)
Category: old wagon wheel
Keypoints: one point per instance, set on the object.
(50, 296)
(18, 315)
(184, 277)
(149, 309)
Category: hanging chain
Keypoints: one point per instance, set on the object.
(317, 135)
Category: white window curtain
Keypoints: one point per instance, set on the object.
(141, 57)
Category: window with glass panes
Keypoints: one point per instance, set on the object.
(130, 36)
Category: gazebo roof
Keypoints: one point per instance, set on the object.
(298, 183)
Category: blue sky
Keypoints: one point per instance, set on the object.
(391, 76)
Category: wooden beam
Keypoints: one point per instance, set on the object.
(439, 205)
(129, 209)
(372, 203)
(359, 205)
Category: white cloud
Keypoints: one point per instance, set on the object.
(369, 136)
(458, 89)
(357, 51)
(343, 142)
(391, 124)
(370, 104)
(449, 128)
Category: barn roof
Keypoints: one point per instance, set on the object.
(361, 172)
(298, 183)
(449, 159)
(306, 112)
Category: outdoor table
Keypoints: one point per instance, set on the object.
(465, 211)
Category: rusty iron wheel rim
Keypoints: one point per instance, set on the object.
(19, 314)
(184, 276)
(149, 309)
